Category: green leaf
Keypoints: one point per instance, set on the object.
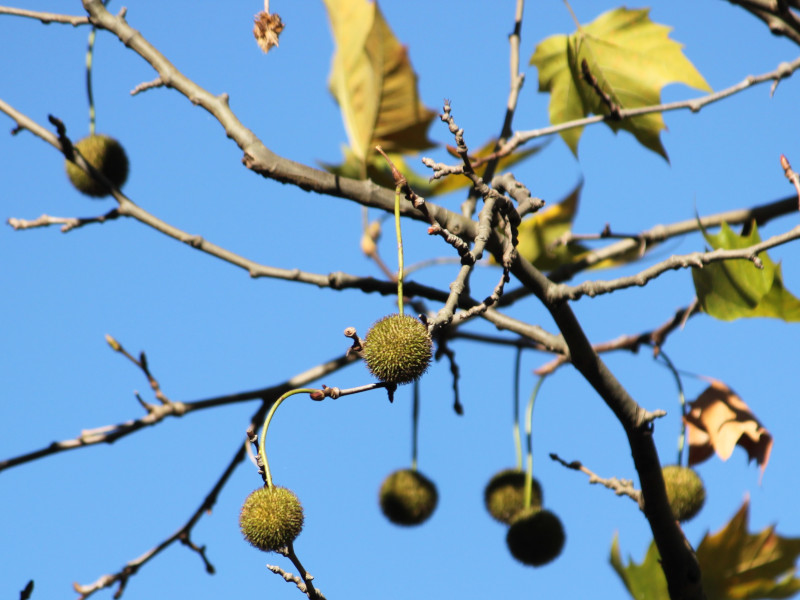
(374, 83)
(631, 57)
(645, 581)
(734, 289)
(738, 565)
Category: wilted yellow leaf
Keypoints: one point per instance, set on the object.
(374, 83)
(738, 565)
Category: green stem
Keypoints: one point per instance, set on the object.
(399, 250)
(262, 453)
(415, 427)
(517, 437)
(529, 434)
(681, 400)
(89, 55)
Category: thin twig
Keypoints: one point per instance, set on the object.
(183, 534)
(46, 17)
(632, 343)
(621, 487)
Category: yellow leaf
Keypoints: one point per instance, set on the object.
(374, 83)
(631, 58)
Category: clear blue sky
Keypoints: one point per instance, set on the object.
(208, 329)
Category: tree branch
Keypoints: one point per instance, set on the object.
(695, 259)
(257, 157)
(678, 559)
(183, 534)
(45, 17)
(111, 433)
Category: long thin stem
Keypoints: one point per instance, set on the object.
(399, 251)
(89, 60)
(262, 453)
(529, 434)
(517, 437)
(681, 399)
(415, 427)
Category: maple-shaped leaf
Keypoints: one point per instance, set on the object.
(738, 565)
(631, 59)
(718, 420)
(644, 581)
(374, 83)
(735, 565)
(733, 289)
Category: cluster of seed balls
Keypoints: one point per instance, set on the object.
(535, 535)
(397, 349)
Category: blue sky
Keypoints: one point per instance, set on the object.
(208, 329)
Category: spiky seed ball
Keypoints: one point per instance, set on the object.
(685, 491)
(271, 517)
(407, 497)
(106, 155)
(535, 537)
(504, 495)
(397, 349)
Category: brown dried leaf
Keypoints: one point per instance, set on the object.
(719, 420)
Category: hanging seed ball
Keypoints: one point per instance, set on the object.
(397, 349)
(504, 495)
(535, 537)
(685, 491)
(106, 155)
(271, 518)
(407, 497)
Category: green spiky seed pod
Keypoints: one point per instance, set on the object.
(504, 495)
(106, 155)
(397, 349)
(685, 491)
(535, 537)
(271, 518)
(407, 497)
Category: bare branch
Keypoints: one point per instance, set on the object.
(655, 338)
(67, 223)
(45, 17)
(111, 433)
(183, 534)
(780, 19)
(782, 71)
(257, 156)
(621, 487)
